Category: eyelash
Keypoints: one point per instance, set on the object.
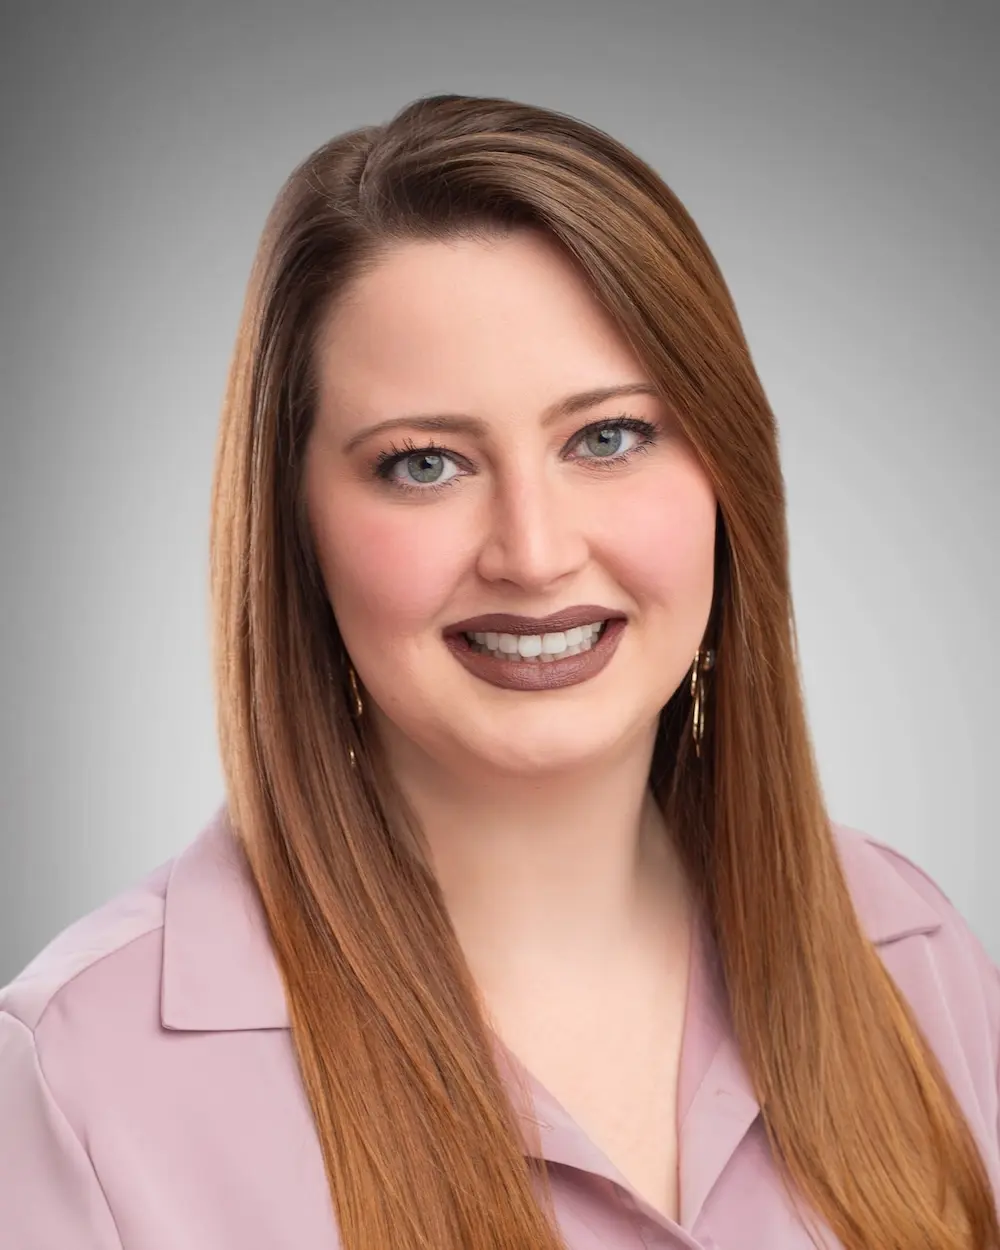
(386, 461)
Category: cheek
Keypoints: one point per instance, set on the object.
(388, 569)
(664, 536)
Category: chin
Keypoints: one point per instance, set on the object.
(537, 755)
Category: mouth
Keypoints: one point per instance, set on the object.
(531, 653)
(545, 648)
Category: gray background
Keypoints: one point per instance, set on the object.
(841, 159)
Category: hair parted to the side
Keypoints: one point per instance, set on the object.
(422, 1148)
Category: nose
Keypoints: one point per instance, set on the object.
(534, 532)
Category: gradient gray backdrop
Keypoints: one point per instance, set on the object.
(841, 159)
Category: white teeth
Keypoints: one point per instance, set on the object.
(538, 647)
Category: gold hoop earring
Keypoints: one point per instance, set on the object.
(703, 661)
(352, 679)
(359, 707)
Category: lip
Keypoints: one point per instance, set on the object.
(536, 674)
(555, 623)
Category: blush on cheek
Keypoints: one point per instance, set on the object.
(390, 569)
(668, 521)
(665, 532)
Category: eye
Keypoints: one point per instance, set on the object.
(424, 468)
(615, 439)
(417, 468)
(606, 441)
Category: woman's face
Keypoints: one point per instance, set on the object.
(459, 467)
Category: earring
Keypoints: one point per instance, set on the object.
(359, 707)
(703, 661)
(352, 679)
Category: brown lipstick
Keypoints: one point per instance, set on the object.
(537, 653)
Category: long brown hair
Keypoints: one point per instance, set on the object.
(422, 1147)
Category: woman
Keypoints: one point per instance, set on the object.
(524, 924)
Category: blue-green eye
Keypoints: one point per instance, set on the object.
(604, 440)
(417, 468)
(426, 468)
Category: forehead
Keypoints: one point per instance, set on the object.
(471, 322)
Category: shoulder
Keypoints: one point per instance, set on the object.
(933, 953)
(917, 878)
(70, 1023)
(89, 955)
(893, 892)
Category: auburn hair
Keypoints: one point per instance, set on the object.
(422, 1147)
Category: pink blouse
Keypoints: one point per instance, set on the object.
(150, 1099)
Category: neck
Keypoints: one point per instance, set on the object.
(559, 869)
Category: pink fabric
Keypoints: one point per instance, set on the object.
(150, 1100)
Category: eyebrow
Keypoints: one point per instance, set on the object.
(460, 423)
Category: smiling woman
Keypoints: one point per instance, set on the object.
(524, 925)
